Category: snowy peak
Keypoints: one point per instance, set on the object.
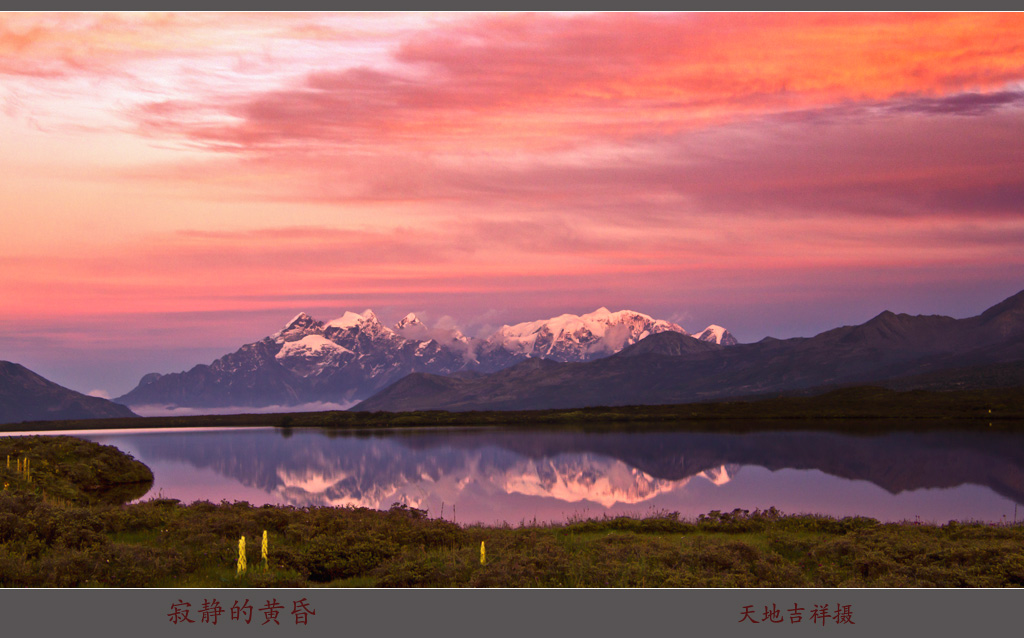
(362, 322)
(407, 321)
(300, 326)
(571, 337)
(347, 320)
(301, 319)
(716, 334)
(309, 347)
(411, 328)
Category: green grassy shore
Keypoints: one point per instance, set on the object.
(63, 523)
(868, 406)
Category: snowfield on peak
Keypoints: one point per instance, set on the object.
(300, 326)
(408, 320)
(716, 334)
(299, 318)
(310, 346)
(352, 320)
(571, 337)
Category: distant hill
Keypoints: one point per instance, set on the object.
(26, 396)
(898, 349)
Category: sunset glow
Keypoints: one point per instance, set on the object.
(175, 185)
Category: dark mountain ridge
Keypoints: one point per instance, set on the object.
(26, 396)
(657, 370)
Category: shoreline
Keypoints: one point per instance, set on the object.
(875, 407)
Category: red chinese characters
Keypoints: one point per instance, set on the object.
(843, 614)
(211, 611)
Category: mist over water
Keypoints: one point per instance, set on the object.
(173, 410)
(494, 475)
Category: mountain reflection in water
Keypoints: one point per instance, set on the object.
(492, 475)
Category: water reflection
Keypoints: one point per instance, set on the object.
(494, 475)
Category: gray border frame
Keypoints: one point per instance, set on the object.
(508, 612)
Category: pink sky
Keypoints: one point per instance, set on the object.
(174, 186)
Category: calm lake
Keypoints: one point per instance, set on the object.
(491, 475)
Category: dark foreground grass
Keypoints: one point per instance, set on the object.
(80, 540)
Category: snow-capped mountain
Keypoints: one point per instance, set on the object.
(410, 327)
(409, 321)
(716, 334)
(355, 355)
(574, 337)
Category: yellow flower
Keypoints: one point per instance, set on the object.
(483, 554)
(241, 555)
(264, 549)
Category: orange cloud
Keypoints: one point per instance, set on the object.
(540, 81)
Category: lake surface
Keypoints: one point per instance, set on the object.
(493, 475)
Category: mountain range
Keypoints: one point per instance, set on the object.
(899, 350)
(602, 358)
(354, 356)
